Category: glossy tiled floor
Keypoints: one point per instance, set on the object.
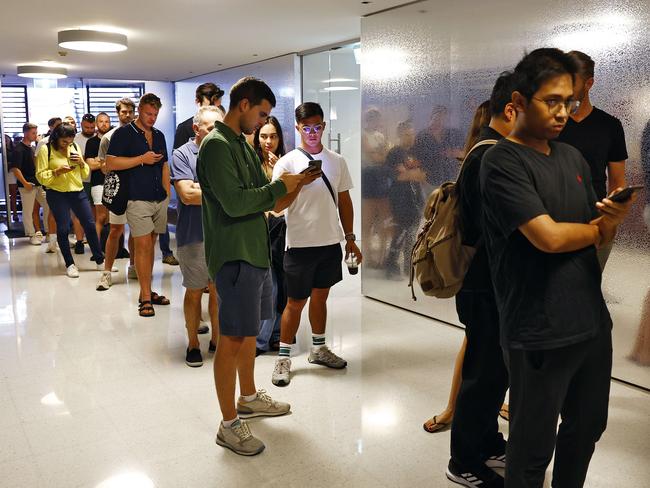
(91, 395)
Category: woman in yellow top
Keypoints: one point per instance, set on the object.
(61, 169)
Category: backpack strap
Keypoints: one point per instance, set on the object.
(484, 142)
(325, 179)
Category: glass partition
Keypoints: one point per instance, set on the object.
(425, 69)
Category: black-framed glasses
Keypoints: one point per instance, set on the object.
(555, 105)
(307, 129)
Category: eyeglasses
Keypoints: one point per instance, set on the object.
(555, 105)
(311, 130)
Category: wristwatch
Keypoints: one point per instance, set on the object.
(350, 237)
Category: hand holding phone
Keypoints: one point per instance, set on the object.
(315, 165)
(625, 194)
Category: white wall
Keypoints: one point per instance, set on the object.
(166, 121)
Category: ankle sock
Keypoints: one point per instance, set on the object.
(228, 423)
(285, 350)
(318, 341)
(248, 398)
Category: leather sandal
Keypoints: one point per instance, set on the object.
(145, 309)
(159, 299)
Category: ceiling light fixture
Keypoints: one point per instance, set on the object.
(92, 40)
(36, 71)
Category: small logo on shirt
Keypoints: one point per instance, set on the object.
(579, 178)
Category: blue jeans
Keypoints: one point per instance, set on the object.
(164, 244)
(270, 328)
(60, 204)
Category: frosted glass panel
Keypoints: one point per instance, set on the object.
(432, 63)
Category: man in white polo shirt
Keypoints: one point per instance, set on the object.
(312, 263)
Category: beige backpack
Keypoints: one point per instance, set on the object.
(439, 259)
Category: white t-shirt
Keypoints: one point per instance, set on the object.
(313, 218)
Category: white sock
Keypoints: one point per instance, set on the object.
(248, 398)
(318, 341)
(228, 423)
(52, 238)
(285, 350)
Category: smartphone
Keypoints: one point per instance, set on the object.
(316, 164)
(625, 194)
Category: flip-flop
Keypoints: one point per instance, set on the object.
(504, 413)
(437, 426)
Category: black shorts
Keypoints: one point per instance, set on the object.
(306, 268)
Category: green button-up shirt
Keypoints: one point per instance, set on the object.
(236, 193)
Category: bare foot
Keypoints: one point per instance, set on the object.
(504, 413)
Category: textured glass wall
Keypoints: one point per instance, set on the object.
(430, 65)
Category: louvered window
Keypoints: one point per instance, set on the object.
(103, 98)
(14, 109)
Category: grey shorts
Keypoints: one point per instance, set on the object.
(245, 298)
(194, 268)
(145, 217)
(116, 219)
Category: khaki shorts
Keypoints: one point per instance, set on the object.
(145, 217)
(117, 219)
(194, 268)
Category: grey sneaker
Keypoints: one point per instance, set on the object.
(282, 372)
(36, 239)
(131, 273)
(105, 281)
(238, 439)
(325, 357)
(262, 406)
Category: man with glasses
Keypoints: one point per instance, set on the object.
(312, 263)
(598, 136)
(542, 226)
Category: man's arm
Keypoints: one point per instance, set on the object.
(188, 191)
(19, 176)
(346, 214)
(615, 176)
(166, 181)
(117, 163)
(94, 163)
(550, 236)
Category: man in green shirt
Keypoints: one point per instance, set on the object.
(235, 195)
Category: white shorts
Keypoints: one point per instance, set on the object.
(116, 219)
(11, 178)
(96, 192)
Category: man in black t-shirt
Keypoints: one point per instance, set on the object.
(103, 122)
(542, 225)
(598, 136)
(21, 163)
(476, 443)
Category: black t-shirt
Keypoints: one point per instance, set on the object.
(92, 150)
(468, 189)
(184, 132)
(144, 181)
(545, 300)
(22, 158)
(601, 140)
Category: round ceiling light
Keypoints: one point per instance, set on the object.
(36, 71)
(92, 41)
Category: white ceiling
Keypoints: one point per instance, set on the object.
(173, 40)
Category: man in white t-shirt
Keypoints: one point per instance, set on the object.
(312, 263)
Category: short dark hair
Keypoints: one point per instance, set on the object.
(150, 99)
(59, 132)
(539, 66)
(501, 93)
(53, 120)
(252, 89)
(103, 113)
(209, 92)
(307, 110)
(586, 65)
(124, 101)
(28, 126)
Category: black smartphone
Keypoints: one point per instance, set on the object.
(625, 194)
(316, 164)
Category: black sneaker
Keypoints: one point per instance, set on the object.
(79, 247)
(193, 358)
(212, 347)
(483, 478)
(203, 329)
(496, 461)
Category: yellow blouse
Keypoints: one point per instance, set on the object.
(71, 181)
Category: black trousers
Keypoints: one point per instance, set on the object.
(475, 431)
(573, 382)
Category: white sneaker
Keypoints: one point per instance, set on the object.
(36, 239)
(72, 271)
(100, 267)
(105, 282)
(281, 372)
(131, 273)
(51, 246)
